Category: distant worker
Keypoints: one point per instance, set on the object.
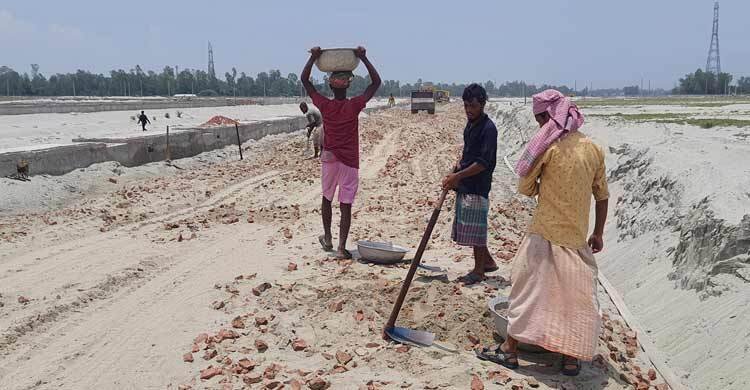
(340, 155)
(553, 298)
(391, 101)
(314, 127)
(143, 119)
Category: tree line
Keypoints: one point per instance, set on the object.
(708, 83)
(171, 81)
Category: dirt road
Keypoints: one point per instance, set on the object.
(112, 290)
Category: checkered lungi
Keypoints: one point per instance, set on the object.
(470, 223)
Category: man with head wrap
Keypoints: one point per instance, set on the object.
(553, 298)
(340, 155)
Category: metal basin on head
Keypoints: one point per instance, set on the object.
(337, 60)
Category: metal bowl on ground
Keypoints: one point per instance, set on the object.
(337, 60)
(498, 308)
(381, 252)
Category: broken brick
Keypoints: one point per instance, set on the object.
(261, 345)
(210, 354)
(252, 378)
(343, 357)
(336, 306)
(317, 383)
(499, 377)
(299, 345)
(261, 288)
(210, 372)
(188, 357)
(295, 385)
(238, 323)
(247, 364)
(476, 383)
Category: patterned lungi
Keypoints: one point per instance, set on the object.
(470, 223)
(553, 298)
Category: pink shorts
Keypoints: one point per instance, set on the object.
(336, 174)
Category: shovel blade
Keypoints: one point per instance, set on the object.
(417, 338)
(431, 268)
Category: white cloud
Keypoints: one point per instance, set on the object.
(16, 33)
(66, 33)
(12, 28)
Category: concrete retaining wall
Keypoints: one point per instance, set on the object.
(142, 150)
(63, 106)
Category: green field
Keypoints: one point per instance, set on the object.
(678, 118)
(665, 101)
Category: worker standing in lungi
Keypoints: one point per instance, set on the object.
(472, 180)
(340, 155)
(553, 298)
(314, 127)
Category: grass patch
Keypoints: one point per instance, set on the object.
(708, 123)
(642, 117)
(678, 118)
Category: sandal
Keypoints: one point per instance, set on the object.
(326, 246)
(471, 279)
(505, 359)
(570, 361)
(343, 255)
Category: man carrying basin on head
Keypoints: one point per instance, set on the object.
(340, 155)
(472, 180)
(553, 299)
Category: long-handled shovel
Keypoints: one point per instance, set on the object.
(405, 335)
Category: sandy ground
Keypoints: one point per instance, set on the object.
(682, 235)
(678, 234)
(21, 132)
(114, 287)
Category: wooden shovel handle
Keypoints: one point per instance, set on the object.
(414, 264)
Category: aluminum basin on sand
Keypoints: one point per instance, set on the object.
(381, 252)
(496, 306)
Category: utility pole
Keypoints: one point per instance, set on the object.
(641, 91)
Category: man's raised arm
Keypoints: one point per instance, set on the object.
(305, 76)
(374, 76)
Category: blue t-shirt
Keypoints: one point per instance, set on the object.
(480, 146)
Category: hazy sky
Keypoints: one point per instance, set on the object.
(604, 42)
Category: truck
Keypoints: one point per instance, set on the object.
(423, 100)
(442, 96)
